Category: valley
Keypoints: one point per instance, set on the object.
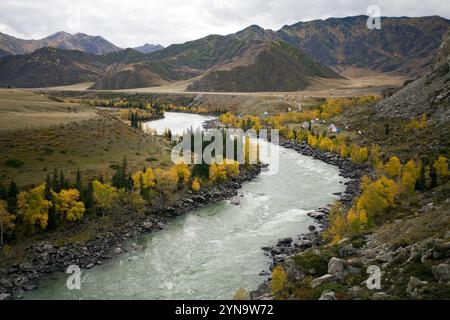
(87, 176)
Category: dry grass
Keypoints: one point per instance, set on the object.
(79, 138)
(20, 109)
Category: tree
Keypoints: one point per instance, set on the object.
(13, 191)
(337, 225)
(196, 184)
(166, 183)
(410, 174)
(217, 173)
(359, 155)
(377, 196)
(393, 167)
(421, 182)
(104, 196)
(375, 156)
(183, 173)
(441, 166)
(33, 207)
(67, 204)
(278, 280)
(232, 168)
(120, 178)
(78, 185)
(6, 220)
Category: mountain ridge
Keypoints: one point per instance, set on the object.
(403, 45)
(61, 40)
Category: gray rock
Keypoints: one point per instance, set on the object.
(303, 244)
(236, 201)
(26, 266)
(285, 242)
(6, 283)
(147, 225)
(4, 296)
(312, 228)
(336, 267)
(327, 295)
(380, 296)
(117, 250)
(322, 280)
(441, 272)
(346, 251)
(414, 285)
(29, 287)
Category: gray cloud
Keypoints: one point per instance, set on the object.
(133, 22)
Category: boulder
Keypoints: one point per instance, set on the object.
(327, 295)
(380, 296)
(4, 296)
(337, 267)
(441, 272)
(147, 225)
(285, 242)
(118, 250)
(236, 201)
(6, 283)
(303, 244)
(322, 280)
(414, 285)
(346, 251)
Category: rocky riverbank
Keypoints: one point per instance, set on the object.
(289, 247)
(43, 258)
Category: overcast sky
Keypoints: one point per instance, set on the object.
(129, 23)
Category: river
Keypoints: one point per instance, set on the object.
(210, 252)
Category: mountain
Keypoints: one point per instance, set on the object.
(429, 94)
(148, 48)
(50, 67)
(60, 40)
(253, 59)
(403, 44)
(278, 67)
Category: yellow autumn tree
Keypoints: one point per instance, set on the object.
(410, 174)
(232, 168)
(196, 184)
(375, 156)
(144, 179)
(67, 204)
(312, 141)
(359, 155)
(217, 173)
(33, 207)
(393, 167)
(338, 225)
(183, 173)
(278, 280)
(356, 220)
(104, 196)
(6, 220)
(166, 183)
(377, 196)
(441, 166)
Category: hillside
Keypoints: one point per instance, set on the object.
(402, 44)
(254, 59)
(60, 40)
(279, 67)
(50, 67)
